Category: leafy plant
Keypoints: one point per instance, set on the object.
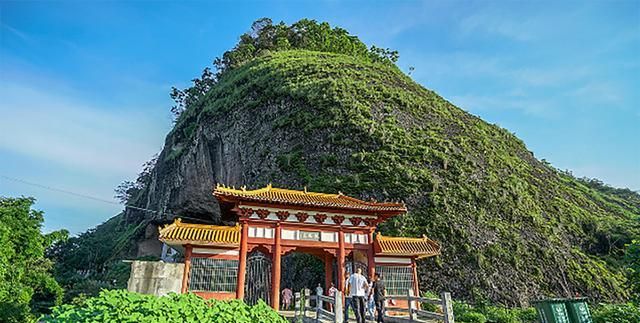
(616, 313)
(124, 306)
(492, 313)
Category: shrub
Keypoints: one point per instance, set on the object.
(616, 313)
(466, 313)
(428, 306)
(124, 306)
(472, 317)
(489, 313)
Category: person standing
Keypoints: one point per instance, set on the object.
(357, 288)
(287, 295)
(347, 300)
(319, 292)
(332, 294)
(379, 293)
(370, 302)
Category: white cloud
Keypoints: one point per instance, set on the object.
(489, 23)
(44, 125)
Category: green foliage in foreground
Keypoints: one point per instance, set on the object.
(124, 306)
(601, 313)
(488, 313)
(616, 313)
(27, 287)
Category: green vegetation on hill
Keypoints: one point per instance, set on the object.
(511, 227)
(92, 261)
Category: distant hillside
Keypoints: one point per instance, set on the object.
(296, 108)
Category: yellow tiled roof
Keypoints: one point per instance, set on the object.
(200, 234)
(271, 194)
(398, 246)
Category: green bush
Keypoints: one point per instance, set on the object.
(428, 306)
(472, 317)
(466, 313)
(616, 313)
(489, 313)
(124, 306)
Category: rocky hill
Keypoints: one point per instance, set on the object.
(512, 228)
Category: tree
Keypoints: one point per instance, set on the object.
(264, 37)
(130, 189)
(632, 260)
(27, 287)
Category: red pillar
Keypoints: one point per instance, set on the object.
(275, 279)
(371, 256)
(242, 263)
(416, 288)
(328, 271)
(341, 272)
(187, 269)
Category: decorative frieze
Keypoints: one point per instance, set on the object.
(320, 218)
(337, 219)
(356, 221)
(262, 213)
(371, 222)
(302, 216)
(282, 215)
(246, 212)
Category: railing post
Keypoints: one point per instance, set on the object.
(447, 307)
(412, 305)
(296, 304)
(338, 308)
(317, 297)
(307, 295)
(318, 307)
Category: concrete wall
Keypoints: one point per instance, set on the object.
(155, 277)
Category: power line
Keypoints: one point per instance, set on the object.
(82, 195)
(98, 199)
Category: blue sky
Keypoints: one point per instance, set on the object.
(84, 86)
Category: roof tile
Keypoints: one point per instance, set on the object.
(200, 234)
(271, 194)
(398, 246)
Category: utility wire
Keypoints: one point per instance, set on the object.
(93, 197)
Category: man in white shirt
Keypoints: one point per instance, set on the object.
(357, 287)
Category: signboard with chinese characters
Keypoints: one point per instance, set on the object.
(309, 235)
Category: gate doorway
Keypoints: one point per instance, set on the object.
(258, 279)
(357, 259)
(302, 270)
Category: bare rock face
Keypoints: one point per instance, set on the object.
(235, 149)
